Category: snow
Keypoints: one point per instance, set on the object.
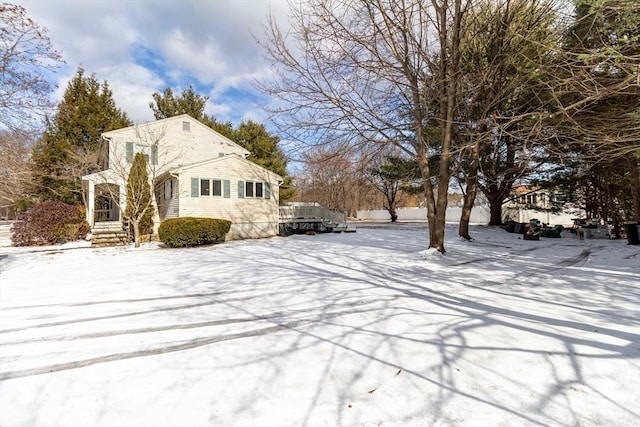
(351, 329)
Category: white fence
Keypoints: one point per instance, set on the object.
(479, 215)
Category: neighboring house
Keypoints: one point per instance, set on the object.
(196, 172)
(528, 202)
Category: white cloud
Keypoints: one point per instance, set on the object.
(209, 41)
(132, 87)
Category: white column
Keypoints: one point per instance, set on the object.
(123, 201)
(91, 204)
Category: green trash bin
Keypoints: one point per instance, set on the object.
(631, 228)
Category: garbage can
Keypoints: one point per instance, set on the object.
(631, 228)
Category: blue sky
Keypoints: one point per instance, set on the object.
(143, 46)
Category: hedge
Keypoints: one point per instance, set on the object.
(189, 231)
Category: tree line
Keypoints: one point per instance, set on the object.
(46, 148)
(388, 99)
(484, 94)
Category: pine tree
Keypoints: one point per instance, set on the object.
(71, 144)
(167, 104)
(265, 152)
(139, 211)
(601, 100)
(393, 177)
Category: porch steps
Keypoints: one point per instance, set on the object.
(105, 234)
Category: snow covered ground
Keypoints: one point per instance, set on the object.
(362, 329)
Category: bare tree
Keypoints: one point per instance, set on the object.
(329, 178)
(14, 169)
(373, 72)
(27, 59)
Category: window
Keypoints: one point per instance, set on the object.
(186, 126)
(255, 189)
(150, 152)
(168, 189)
(204, 187)
(210, 187)
(217, 187)
(240, 189)
(194, 187)
(267, 190)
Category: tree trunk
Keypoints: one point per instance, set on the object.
(468, 201)
(392, 212)
(635, 188)
(495, 211)
(470, 192)
(448, 74)
(136, 232)
(423, 164)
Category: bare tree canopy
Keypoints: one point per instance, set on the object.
(14, 168)
(26, 60)
(373, 72)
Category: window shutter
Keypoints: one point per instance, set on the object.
(129, 151)
(195, 187)
(267, 190)
(226, 188)
(240, 189)
(154, 154)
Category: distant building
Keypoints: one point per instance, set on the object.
(531, 202)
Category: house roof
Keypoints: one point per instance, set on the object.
(526, 189)
(228, 157)
(181, 118)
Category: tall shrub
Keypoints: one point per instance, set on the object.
(139, 210)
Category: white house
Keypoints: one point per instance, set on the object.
(195, 172)
(528, 202)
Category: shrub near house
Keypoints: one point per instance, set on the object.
(181, 232)
(48, 223)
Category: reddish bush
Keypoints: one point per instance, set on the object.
(48, 223)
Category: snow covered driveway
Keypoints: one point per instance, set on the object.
(338, 329)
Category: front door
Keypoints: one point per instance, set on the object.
(106, 209)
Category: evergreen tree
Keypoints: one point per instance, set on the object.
(167, 104)
(393, 176)
(71, 144)
(265, 152)
(139, 210)
(599, 96)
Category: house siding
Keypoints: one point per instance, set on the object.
(250, 217)
(167, 199)
(176, 147)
